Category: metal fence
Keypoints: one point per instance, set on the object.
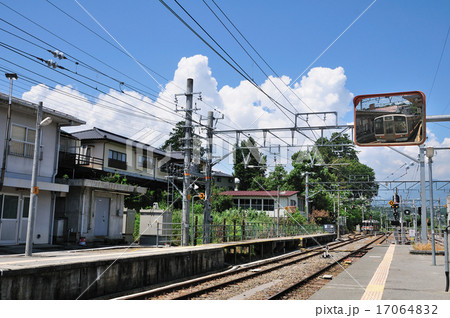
(251, 231)
(170, 233)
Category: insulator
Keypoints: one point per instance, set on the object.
(58, 54)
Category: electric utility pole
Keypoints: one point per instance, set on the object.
(207, 220)
(187, 163)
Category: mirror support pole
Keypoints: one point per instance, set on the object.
(423, 198)
(423, 195)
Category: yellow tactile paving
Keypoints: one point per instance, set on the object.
(375, 289)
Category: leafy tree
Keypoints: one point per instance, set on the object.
(249, 166)
(276, 178)
(340, 164)
(220, 202)
(342, 148)
(176, 138)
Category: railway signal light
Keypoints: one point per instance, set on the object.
(396, 215)
(407, 212)
(396, 198)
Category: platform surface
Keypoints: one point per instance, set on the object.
(13, 258)
(389, 272)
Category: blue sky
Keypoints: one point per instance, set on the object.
(393, 46)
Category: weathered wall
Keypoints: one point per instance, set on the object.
(71, 280)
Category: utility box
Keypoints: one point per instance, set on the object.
(129, 220)
(155, 227)
(330, 228)
(59, 233)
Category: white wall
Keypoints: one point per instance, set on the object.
(22, 165)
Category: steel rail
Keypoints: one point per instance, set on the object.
(255, 274)
(296, 285)
(200, 280)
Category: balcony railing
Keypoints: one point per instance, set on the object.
(71, 160)
(118, 164)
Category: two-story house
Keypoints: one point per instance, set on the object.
(17, 140)
(223, 180)
(101, 152)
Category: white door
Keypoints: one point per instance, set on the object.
(101, 216)
(9, 219)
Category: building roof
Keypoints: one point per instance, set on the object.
(122, 188)
(221, 174)
(269, 194)
(100, 134)
(29, 108)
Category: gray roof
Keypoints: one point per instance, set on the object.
(221, 174)
(100, 134)
(26, 107)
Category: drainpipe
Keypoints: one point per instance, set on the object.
(58, 140)
(91, 210)
(55, 171)
(52, 218)
(83, 203)
(11, 77)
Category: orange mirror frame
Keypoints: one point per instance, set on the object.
(392, 119)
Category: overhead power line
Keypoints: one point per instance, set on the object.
(277, 104)
(78, 48)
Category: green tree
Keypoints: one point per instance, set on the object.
(176, 138)
(326, 164)
(338, 146)
(249, 166)
(276, 178)
(220, 202)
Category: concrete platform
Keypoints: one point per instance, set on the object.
(389, 272)
(93, 273)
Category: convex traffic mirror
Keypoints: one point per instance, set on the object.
(392, 119)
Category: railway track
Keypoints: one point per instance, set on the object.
(257, 276)
(295, 285)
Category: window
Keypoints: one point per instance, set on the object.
(400, 125)
(379, 128)
(9, 205)
(145, 162)
(22, 141)
(245, 204)
(117, 160)
(257, 204)
(389, 127)
(85, 155)
(268, 205)
(26, 207)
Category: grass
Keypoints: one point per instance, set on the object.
(427, 247)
